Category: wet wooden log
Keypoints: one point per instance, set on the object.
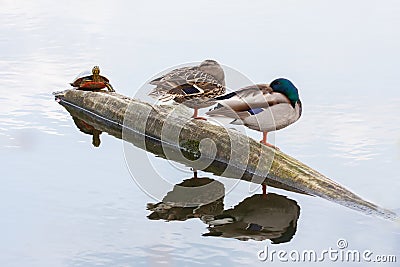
(207, 146)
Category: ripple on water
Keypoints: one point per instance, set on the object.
(351, 130)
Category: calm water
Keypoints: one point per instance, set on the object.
(64, 202)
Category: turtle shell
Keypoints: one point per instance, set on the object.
(83, 126)
(91, 85)
(84, 80)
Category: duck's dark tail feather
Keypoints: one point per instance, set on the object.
(227, 96)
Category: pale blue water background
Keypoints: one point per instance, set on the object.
(65, 203)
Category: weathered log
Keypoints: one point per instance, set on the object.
(169, 131)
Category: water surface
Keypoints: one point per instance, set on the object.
(67, 203)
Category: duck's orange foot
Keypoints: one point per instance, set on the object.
(199, 118)
(270, 145)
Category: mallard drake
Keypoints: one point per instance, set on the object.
(261, 107)
(257, 218)
(195, 87)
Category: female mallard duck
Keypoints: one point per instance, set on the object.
(262, 107)
(195, 87)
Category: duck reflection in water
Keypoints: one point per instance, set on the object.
(193, 198)
(257, 218)
(88, 129)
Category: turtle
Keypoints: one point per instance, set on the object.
(92, 81)
(86, 128)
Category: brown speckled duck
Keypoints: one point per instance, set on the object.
(195, 87)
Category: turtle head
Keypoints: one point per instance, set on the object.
(286, 87)
(96, 70)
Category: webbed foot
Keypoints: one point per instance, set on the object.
(199, 118)
(270, 145)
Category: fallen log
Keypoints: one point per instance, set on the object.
(169, 131)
